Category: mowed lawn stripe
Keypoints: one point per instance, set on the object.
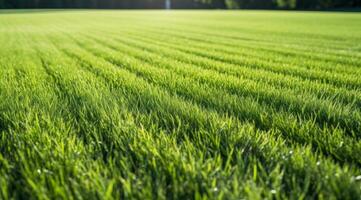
(261, 51)
(340, 80)
(247, 35)
(199, 59)
(284, 81)
(284, 102)
(274, 45)
(32, 109)
(237, 107)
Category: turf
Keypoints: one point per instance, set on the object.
(180, 105)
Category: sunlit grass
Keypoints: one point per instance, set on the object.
(180, 105)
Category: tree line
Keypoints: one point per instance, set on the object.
(184, 4)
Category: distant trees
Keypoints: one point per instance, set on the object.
(286, 4)
(256, 4)
(159, 4)
(324, 4)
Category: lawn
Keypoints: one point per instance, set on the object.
(180, 105)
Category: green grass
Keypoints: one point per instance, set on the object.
(180, 105)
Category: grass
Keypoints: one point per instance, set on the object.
(180, 105)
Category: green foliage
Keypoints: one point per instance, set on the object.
(287, 4)
(180, 105)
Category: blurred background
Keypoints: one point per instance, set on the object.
(186, 4)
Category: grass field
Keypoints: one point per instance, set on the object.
(180, 105)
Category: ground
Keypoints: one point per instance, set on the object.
(114, 104)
